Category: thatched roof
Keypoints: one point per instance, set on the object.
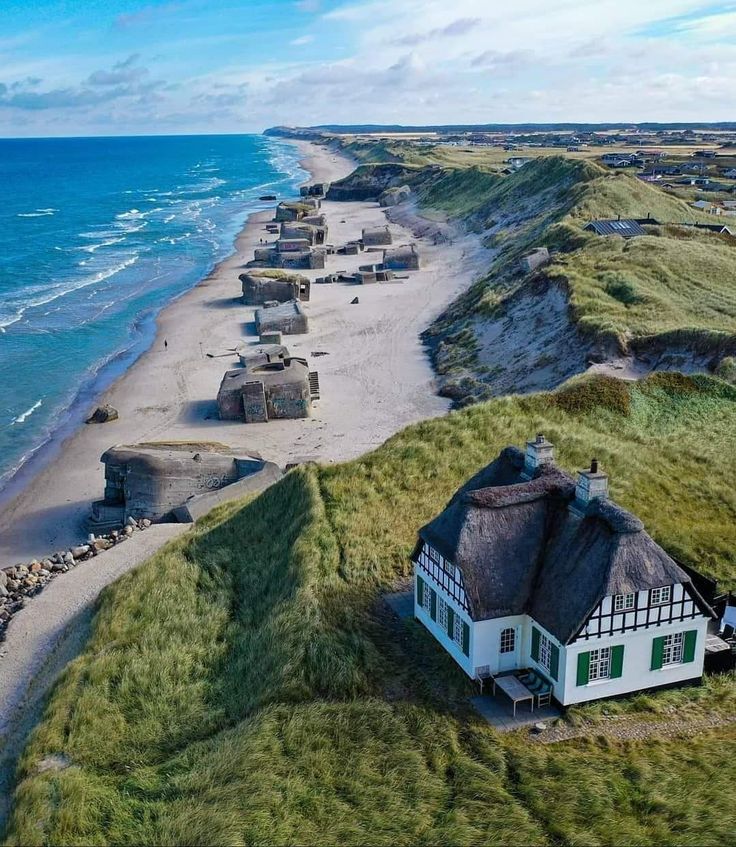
(522, 550)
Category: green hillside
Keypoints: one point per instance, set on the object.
(678, 284)
(246, 686)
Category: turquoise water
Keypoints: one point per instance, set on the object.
(96, 236)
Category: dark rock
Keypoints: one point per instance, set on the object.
(355, 301)
(103, 414)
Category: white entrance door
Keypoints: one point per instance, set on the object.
(508, 649)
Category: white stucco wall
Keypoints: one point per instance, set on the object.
(487, 643)
(484, 650)
(452, 647)
(637, 673)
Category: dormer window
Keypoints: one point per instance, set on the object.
(624, 602)
(660, 596)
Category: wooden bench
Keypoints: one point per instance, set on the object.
(539, 686)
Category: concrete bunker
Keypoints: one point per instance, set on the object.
(316, 189)
(377, 237)
(292, 211)
(286, 318)
(314, 234)
(262, 286)
(280, 257)
(155, 480)
(281, 388)
(538, 258)
(404, 258)
(368, 274)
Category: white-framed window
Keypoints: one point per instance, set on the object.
(457, 630)
(427, 599)
(659, 596)
(442, 613)
(672, 648)
(545, 651)
(600, 664)
(508, 640)
(623, 602)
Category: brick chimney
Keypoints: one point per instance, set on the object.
(592, 485)
(538, 452)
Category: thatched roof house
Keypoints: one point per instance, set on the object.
(526, 551)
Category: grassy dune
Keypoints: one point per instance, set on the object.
(245, 687)
(653, 285)
(675, 286)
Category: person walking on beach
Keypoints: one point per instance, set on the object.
(166, 344)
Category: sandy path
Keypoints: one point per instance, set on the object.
(48, 632)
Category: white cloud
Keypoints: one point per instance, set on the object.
(423, 61)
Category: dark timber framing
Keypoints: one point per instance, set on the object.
(602, 624)
(436, 567)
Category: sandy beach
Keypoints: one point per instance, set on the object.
(375, 377)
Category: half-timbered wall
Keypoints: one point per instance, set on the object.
(606, 621)
(444, 574)
(434, 623)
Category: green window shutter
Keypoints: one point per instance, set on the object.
(617, 661)
(535, 644)
(433, 605)
(583, 668)
(450, 623)
(554, 661)
(657, 653)
(466, 639)
(688, 648)
(420, 590)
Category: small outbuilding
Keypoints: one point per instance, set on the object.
(623, 227)
(404, 258)
(286, 318)
(377, 237)
(262, 286)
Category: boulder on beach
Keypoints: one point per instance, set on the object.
(103, 414)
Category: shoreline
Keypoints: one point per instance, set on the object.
(97, 383)
(376, 378)
(169, 392)
(145, 333)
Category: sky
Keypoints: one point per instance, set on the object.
(108, 67)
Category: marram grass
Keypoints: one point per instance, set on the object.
(244, 686)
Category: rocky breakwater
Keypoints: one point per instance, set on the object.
(21, 581)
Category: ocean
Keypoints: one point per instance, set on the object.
(97, 235)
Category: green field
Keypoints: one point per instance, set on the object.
(246, 685)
